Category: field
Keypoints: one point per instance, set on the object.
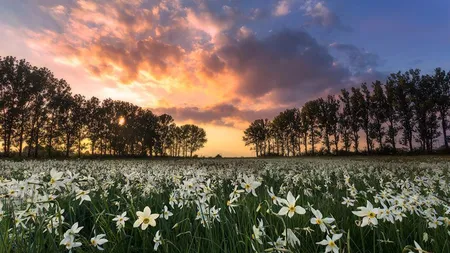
(226, 205)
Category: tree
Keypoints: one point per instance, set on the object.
(442, 99)
(310, 111)
(424, 102)
(38, 110)
(404, 88)
(378, 112)
(391, 113)
(255, 135)
(197, 138)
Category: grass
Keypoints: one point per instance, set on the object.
(319, 183)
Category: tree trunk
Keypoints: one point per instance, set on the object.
(67, 145)
(444, 130)
(36, 143)
(79, 146)
(21, 139)
(367, 142)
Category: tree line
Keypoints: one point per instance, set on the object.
(408, 112)
(39, 116)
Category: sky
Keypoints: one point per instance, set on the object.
(221, 64)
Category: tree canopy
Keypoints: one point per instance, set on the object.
(409, 110)
(39, 116)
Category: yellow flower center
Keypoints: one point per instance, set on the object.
(372, 215)
(146, 220)
(331, 244)
(292, 209)
(319, 221)
(247, 186)
(52, 180)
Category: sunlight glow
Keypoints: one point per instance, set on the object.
(121, 121)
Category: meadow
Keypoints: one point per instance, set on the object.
(225, 205)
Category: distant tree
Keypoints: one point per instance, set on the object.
(310, 110)
(255, 135)
(365, 107)
(424, 102)
(39, 111)
(378, 112)
(197, 138)
(404, 89)
(391, 113)
(345, 119)
(442, 99)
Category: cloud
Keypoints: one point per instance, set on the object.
(198, 53)
(287, 66)
(359, 59)
(282, 8)
(224, 114)
(258, 14)
(212, 22)
(322, 15)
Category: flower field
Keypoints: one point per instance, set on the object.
(239, 205)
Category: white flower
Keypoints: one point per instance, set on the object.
(291, 238)
(73, 230)
(257, 234)
(272, 196)
(214, 213)
(231, 205)
(69, 242)
(236, 193)
(331, 243)
(157, 240)
(319, 220)
(145, 218)
(290, 208)
(279, 244)
(56, 179)
(348, 201)
(120, 220)
(166, 213)
(98, 241)
(369, 213)
(250, 184)
(434, 222)
(418, 248)
(83, 195)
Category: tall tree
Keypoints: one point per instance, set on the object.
(378, 112)
(442, 97)
(391, 113)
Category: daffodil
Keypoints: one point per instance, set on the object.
(166, 213)
(145, 218)
(319, 220)
(368, 213)
(330, 243)
(98, 241)
(83, 195)
(120, 220)
(157, 240)
(250, 184)
(290, 207)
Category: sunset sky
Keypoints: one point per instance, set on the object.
(223, 63)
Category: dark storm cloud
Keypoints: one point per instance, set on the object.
(290, 65)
